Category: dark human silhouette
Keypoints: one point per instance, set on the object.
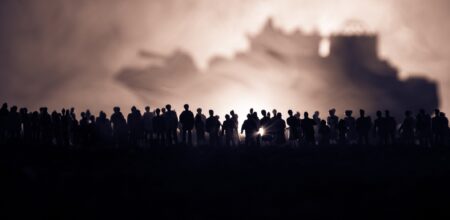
(147, 119)
(159, 127)
(187, 124)
(380, 129)
(171, 120)
(307, 125)
(423, 128)
(250, 128)
(350, 123)
(235, 119)
(407, 128)
(391, 128)
(264, 124)
(228, 128)
(119, 125)
(212, 126)
(333, 122)
(363, 126)
(324, 134)
(294, 127)
(200, 121)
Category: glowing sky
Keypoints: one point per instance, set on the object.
(62, 52)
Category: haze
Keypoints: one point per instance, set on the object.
(65, 53)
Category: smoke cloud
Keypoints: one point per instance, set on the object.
(64, 53)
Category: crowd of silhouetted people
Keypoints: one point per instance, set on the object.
(163, 127)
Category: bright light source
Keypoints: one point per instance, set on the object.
(261, 131)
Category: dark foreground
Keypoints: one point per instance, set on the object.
(205, 183)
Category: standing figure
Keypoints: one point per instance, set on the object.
(200, 120)
(212, 127)
(171, 120)
(294, 124)
(228, 131)
(308, 129)
(350, 122)
(147, 119)
(187, 124)
(363, 126)
(333, 122)
(407, 129)
(250, 129)
(119, 125)
(159, 127)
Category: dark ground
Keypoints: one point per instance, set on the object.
(192, 183)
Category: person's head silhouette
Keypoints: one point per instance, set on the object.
(116, 109)
(379, 114)
(306, 115)
(186, 107)
(158, 111)
(147, 108)
(263, 113)
(362, 113)
(332, 112)
(211, 113)
(290, 113)
(349, 113)
(168, 107)
(227, 117)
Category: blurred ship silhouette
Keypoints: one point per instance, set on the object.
(298, 69)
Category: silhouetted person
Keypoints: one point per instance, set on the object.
(84, 129)
(200, 121)
(104, 128)
(350, 122)
(333, 122)
(4, 112)
(57, 128)
(258, 125)
(119, 125)
(437, 127)
(14, 126)
(235, 119)
(316, 118)
(280, 128)
(171, 119)
(159, 127)
(423, 128)
(343, 130)
(25, 120)
(187, 124)
(265, 123)
(363, 126)
(147, 119)
(228, 128)
(324, 134)
(294, 126)
(45, 126)
(444, 129)
(134, 121)
(380, 129)
(407, 129)
(308, 129)
(34, 119)
(391, 128)
(65, 127)
(250, 128)
(213, 128)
